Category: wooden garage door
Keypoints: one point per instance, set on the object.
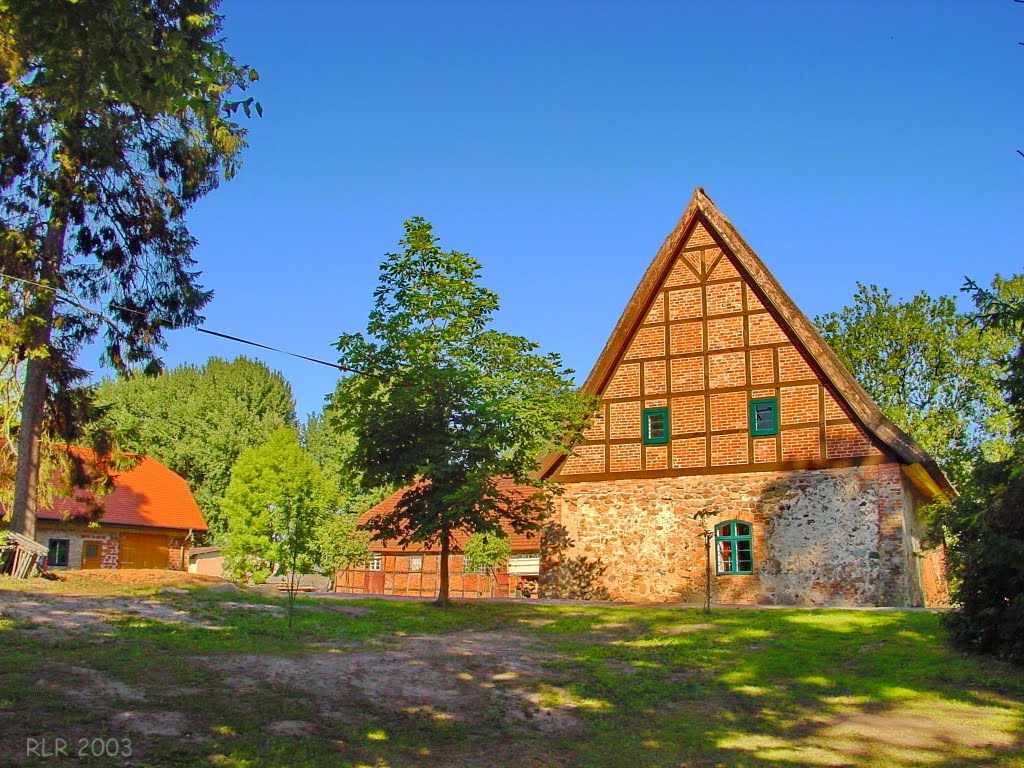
(143, 550)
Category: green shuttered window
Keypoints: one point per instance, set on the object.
(764, 416)
(656, 426)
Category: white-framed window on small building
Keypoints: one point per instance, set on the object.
(57, 552)
(415, 563)
(376, 562)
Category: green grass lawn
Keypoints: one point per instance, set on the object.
(388, 683)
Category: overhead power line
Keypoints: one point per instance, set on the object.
(76, 302)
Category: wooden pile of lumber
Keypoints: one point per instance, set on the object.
(20, 556)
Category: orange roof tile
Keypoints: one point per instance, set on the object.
(521, 542)
(149, 495)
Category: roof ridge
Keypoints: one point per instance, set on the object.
(754, 271)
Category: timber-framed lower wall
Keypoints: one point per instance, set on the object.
(417, 575)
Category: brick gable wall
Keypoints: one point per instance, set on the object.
(707, 346)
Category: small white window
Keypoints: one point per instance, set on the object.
(375, 562)
(415, 563)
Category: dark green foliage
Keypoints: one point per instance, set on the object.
(930, 368)
(198, 419)
(338, 542)
(447, 403)
(332, 446)
(114, 121)
(112, 125)
(986, 524)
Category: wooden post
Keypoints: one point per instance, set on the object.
(708, 535)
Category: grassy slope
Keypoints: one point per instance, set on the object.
(647, 686)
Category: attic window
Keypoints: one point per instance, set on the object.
(57, 553)
(656, 425)
(764, 416)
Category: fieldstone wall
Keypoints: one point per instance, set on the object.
(821, 537)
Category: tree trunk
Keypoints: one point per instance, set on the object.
(33, 408)
(442, 592)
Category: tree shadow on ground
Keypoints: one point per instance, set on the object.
(490, 684)
(800, 688)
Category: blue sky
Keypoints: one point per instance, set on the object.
(558, 142)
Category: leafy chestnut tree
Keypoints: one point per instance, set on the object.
(447, 405)
(115, 118)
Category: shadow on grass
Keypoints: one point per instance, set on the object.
(496, 684)
(798, 688)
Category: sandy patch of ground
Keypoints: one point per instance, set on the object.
(152, 722)
(63, 613)
(71, 581)
(292, 728)
(90, 685)
(37, 602)
(912, 733)
(463, 676)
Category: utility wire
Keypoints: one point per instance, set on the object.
(74, 301)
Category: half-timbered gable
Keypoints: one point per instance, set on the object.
(719, 397)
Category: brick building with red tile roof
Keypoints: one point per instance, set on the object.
(149, 520)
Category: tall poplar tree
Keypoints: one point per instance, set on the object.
(115, 117)
(448, 405)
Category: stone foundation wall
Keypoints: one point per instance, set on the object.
(820, 537)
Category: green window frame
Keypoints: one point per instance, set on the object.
(734, 547)
(764, 416)
(656, 426)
